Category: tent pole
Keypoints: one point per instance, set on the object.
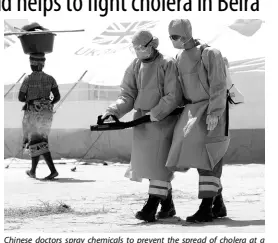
(14, 85)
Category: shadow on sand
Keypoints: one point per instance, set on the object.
(65, 180)
(223, 221)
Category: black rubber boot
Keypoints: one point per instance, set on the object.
(167, 207)
(149, 210)
(51, 166)
(204, 214)
(219, 209)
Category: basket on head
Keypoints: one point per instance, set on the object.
(36, 43)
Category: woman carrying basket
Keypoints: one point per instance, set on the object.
(38, 113)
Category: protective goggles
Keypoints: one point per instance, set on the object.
(174, 37)
(141, 48)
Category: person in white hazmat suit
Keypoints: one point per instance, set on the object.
(201, 136)
(150, 86)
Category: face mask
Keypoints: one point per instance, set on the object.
(143, 54)
(184, 43)
(178, 44)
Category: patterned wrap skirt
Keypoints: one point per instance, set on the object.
(37, 121)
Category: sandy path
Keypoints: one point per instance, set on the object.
(105, 201)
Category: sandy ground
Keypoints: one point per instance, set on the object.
(104, 200)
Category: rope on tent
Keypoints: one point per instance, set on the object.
(74, 168)
(21, 150)
(63, 99)
(14, 85)
(13, 159)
